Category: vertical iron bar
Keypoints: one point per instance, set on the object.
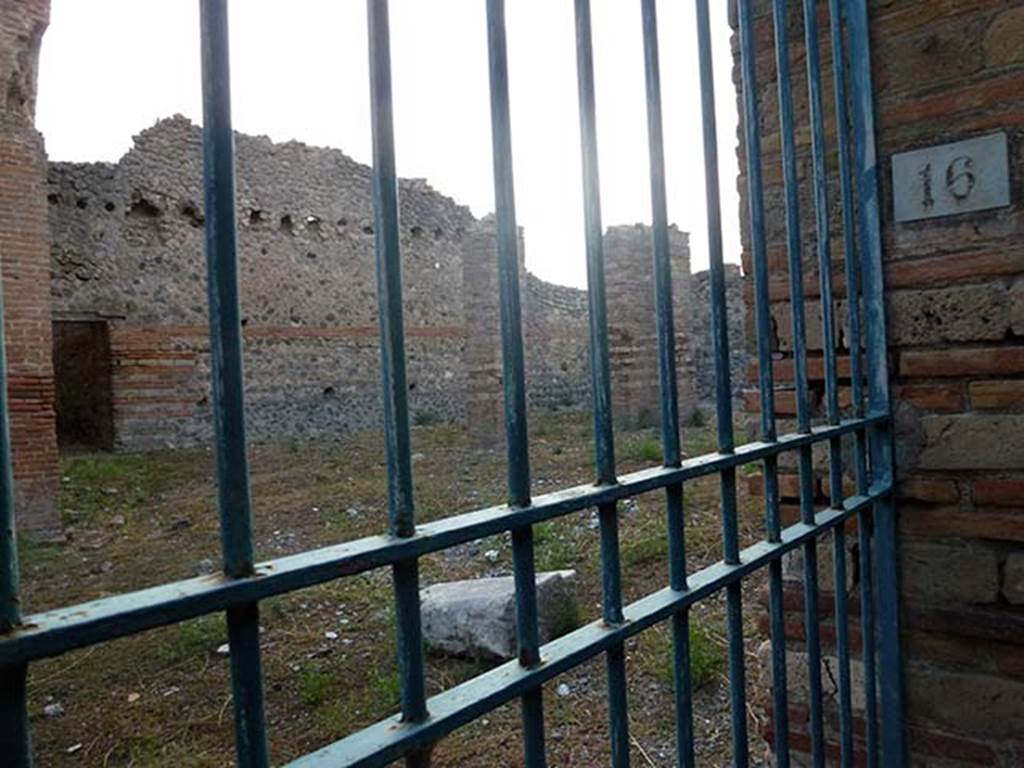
(723, 399)
(852, 273)
(864, 522)
(856, 385)
(389, 276)
(659, 235)
(893, 747)
(818, 148)
(601, 384)
(600, 375)
(615, 658)
(227, 379)
(611, 611)
(401, 508)
(773, 523)
(670, 435)
(865, 531)
(15, 736)
(514, 379)
(604, 445)
(835, 446)
(824, 241)
(10, 602)
(806, 469)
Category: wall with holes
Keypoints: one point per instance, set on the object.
(127, 247)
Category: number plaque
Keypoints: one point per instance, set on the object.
(970, 175)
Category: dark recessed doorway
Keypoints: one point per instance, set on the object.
(82, 373)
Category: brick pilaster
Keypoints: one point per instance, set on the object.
(25, 254)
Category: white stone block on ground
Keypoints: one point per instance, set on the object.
(477, 617)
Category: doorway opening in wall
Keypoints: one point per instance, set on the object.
(82, 374)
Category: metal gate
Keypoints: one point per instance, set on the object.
(423, 721)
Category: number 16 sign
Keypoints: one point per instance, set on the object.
(970, 175)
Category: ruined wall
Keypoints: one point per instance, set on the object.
(700, 337)
(632, 335)
(554, 321)
(24, 250)
(128, 247)
(557, 356)
(943, 71)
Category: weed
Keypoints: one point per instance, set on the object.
(646, 449)
(426, 419)
(657, 656)
(189, 639)
(651, 549)
(554, 551)
(697, 418)
(706, 660)
(314, 685)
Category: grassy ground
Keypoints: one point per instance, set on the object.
(163, 698)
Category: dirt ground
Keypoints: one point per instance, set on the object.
(163, 698)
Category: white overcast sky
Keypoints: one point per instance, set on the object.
(110, 68)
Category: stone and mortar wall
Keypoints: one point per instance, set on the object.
(128, 248)
(554, 321)
(943, 71)
(699, 332)
(557, 355)
(24, 251)
(632, 334)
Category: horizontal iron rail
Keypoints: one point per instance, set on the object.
(387, 740)
(51, 633)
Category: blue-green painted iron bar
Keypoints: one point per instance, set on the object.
(514, 378)
(227, 381)
(10, 602)
(600, 377)
(387, 740)
(852, 274)
(787, 128)
(824, 242)
(821, 208)
(611, 614)
(892, 738)
(763, 326)
(659, 242)
(15, 737)
(668, 386)
(600, 370)
(54, 632)
(401, 507)
(723, 388)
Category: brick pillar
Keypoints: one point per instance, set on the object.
(943, 72)
(482, 350)
(629, 276)
(25, 253)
